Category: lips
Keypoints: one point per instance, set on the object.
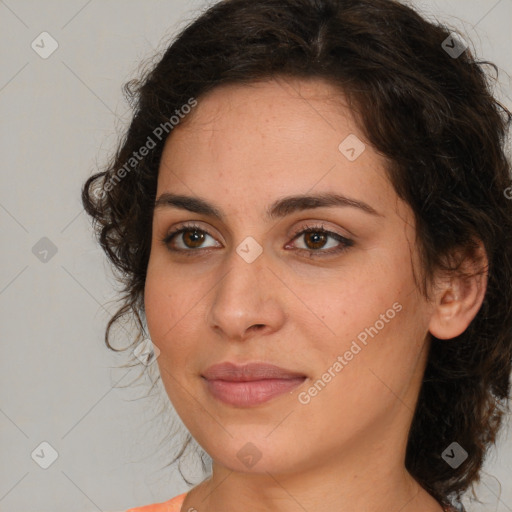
(248, 372)
(251, 384)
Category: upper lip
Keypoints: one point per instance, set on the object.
(248, 372)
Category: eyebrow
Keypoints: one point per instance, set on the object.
(280, 208)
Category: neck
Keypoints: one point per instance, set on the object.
(344, 483)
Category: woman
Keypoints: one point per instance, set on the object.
(310, 216)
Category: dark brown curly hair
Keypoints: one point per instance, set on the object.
(430, 113)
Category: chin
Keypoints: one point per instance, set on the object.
(253, 452)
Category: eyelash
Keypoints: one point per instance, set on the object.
(319, 253)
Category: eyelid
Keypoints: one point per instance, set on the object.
(320, 225)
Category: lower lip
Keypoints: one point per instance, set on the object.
(246, 394)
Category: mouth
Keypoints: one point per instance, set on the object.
(251, 384)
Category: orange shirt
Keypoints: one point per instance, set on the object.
(173, 505)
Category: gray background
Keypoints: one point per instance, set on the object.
(61, 116)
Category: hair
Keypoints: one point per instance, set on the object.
(435, 120)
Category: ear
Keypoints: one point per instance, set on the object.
(458, 298)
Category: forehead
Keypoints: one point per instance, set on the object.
(266, 113)
(248, 143)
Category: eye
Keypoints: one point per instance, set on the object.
(192, 236)
(315, 241)
(315, 238)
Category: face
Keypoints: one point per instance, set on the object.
(337, 305)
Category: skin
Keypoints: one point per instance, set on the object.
(242, 148)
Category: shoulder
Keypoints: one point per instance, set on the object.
(172, 505)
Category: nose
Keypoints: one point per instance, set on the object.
(246, 301)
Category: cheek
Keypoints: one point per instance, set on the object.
(156, 303)
(162, 314)
(173, 314)
(350, 304)
(371, 380)
(164, 308)
(375, 322)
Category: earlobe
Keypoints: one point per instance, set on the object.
(459, 297)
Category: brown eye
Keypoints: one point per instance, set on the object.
(193, 238)
(319, 242)
(186, 239)
(315, 239)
